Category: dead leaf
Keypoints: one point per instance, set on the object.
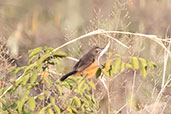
(44, 76)
(107, 64)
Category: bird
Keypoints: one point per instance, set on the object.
(87, 65)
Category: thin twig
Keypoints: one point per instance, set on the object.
(120, 109)
(74, 59)
(35, 97)
(81, 37)
(6, 91)
(166, 56)
(101, 31)
(132, 93)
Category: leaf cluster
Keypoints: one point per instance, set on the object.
(37, 91)
(118, 65)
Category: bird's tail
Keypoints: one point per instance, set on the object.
(67, 75)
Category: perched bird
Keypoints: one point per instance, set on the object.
(87, 65)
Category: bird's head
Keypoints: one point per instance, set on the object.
(96, 50)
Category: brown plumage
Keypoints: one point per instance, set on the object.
(86, 65)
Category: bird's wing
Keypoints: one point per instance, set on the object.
(83, 63)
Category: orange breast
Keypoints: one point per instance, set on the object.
(89, 71)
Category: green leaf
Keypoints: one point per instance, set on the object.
(41, 97)
(129, 65)
(46, 92)
(25, 79)
(80, 84)
(152, 64)
(26, 71)
(40, 67)
(50, 111)
(77, 101)
(26, 111)
(31, 60)
(2, 90)
(65, 84)
(13, 106)
(19, 80)
(59, 88)
(20, 104)
(106, 73)
(122, 67)
(3, 111)
(92, 84)
(31, 103)
(82, 108)
(35, 51)
(117, 55)
(94, 101)
(2, 101)
(33, 78)
(98, 73)
(43, 58)
(79, 92)
(74, 110)
(52, 100)
(48, 82)
(86, 87)
(16, 70)
(115, 68)
(135, 63)
(44, 108)
(59, 53)
(57, 109)
(48, 49)
(143, 67)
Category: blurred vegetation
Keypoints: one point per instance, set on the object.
(42, 25)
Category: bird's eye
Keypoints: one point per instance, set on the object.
(97, 51)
